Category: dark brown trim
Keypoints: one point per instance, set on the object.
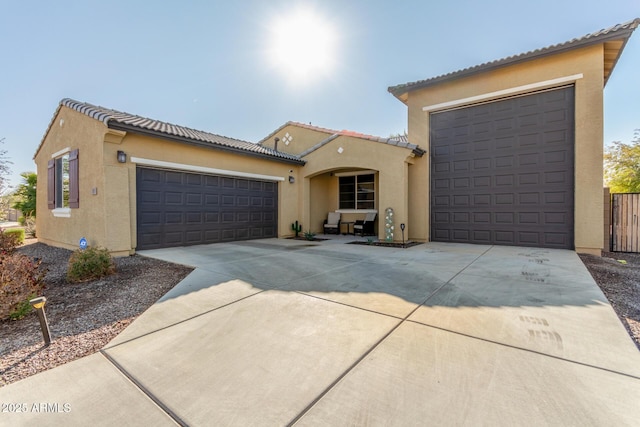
(51, 184)
(74, 191)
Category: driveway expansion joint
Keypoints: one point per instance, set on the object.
(144, 390)
(528, 350)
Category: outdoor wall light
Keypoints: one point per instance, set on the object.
(291, 179)
(122, 157)
(38, 305)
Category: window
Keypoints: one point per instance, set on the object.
(357, 192)
(62, 181)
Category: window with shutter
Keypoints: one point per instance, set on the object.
(63, 190)
(51, 189)
(74, 191)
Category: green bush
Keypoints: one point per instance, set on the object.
(20, 280)
(10, 239)
(88, 264)
(19, 232)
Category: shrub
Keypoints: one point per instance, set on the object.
(10, 239)
(20, 280)
(18, 232)
(309, 235)
(88, 264)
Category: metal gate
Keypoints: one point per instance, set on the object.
(624, 222)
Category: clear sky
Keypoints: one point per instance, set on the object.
(242, 68)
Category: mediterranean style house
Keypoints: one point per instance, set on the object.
(508, 153)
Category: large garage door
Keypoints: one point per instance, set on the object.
(503, 172)
(177, 208)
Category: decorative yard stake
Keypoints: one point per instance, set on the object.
(402, 228)
(296, 227)
(388, 224)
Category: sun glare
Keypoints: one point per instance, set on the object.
(302, 46)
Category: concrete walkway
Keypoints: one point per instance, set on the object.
(278, 332)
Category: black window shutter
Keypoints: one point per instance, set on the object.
(74, 191)
(51, 184)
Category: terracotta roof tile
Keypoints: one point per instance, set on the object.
(397, 141)
(125, 121)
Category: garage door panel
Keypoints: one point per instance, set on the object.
(176, 208)
(193, 218)
(212, 181)
(193, 199)
(211, 200)
(530, 141)
(212, 217)
(173, 198)
(193, 237)
(173, 178)
(171, 218)
(193, 179)
(518, 186)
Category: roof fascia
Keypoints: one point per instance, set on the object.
(157, 134)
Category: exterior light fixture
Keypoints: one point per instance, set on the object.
(122, 157)
(402, 228)
(38, 305)
(291, 179)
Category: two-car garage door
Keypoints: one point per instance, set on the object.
(503, 172)
(177, 208)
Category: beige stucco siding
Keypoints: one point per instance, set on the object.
(390, 164)
(108, 217)
(588, 62)
(301, 139)
(74, 130)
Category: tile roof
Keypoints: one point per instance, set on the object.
(114, 119)
(617, 32)
(402, 142)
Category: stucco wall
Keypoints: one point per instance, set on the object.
(302, 139)
(74, 130)
(389, 162)
(108, 217)
(587, 61)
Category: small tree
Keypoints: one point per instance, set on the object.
(25, 195)
(622, 166)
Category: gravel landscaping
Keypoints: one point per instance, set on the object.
(618, 275)
(84, 317)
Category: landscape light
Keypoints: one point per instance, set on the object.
(38, 305)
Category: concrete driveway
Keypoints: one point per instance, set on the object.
(278, 332)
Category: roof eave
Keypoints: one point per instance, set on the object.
(401, 91)
(111, 124)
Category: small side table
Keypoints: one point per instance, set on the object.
(349, 224)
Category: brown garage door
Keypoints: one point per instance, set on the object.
(176, 208)
(502, 172)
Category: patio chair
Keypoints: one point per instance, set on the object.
(365, 226)
(332, 223)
